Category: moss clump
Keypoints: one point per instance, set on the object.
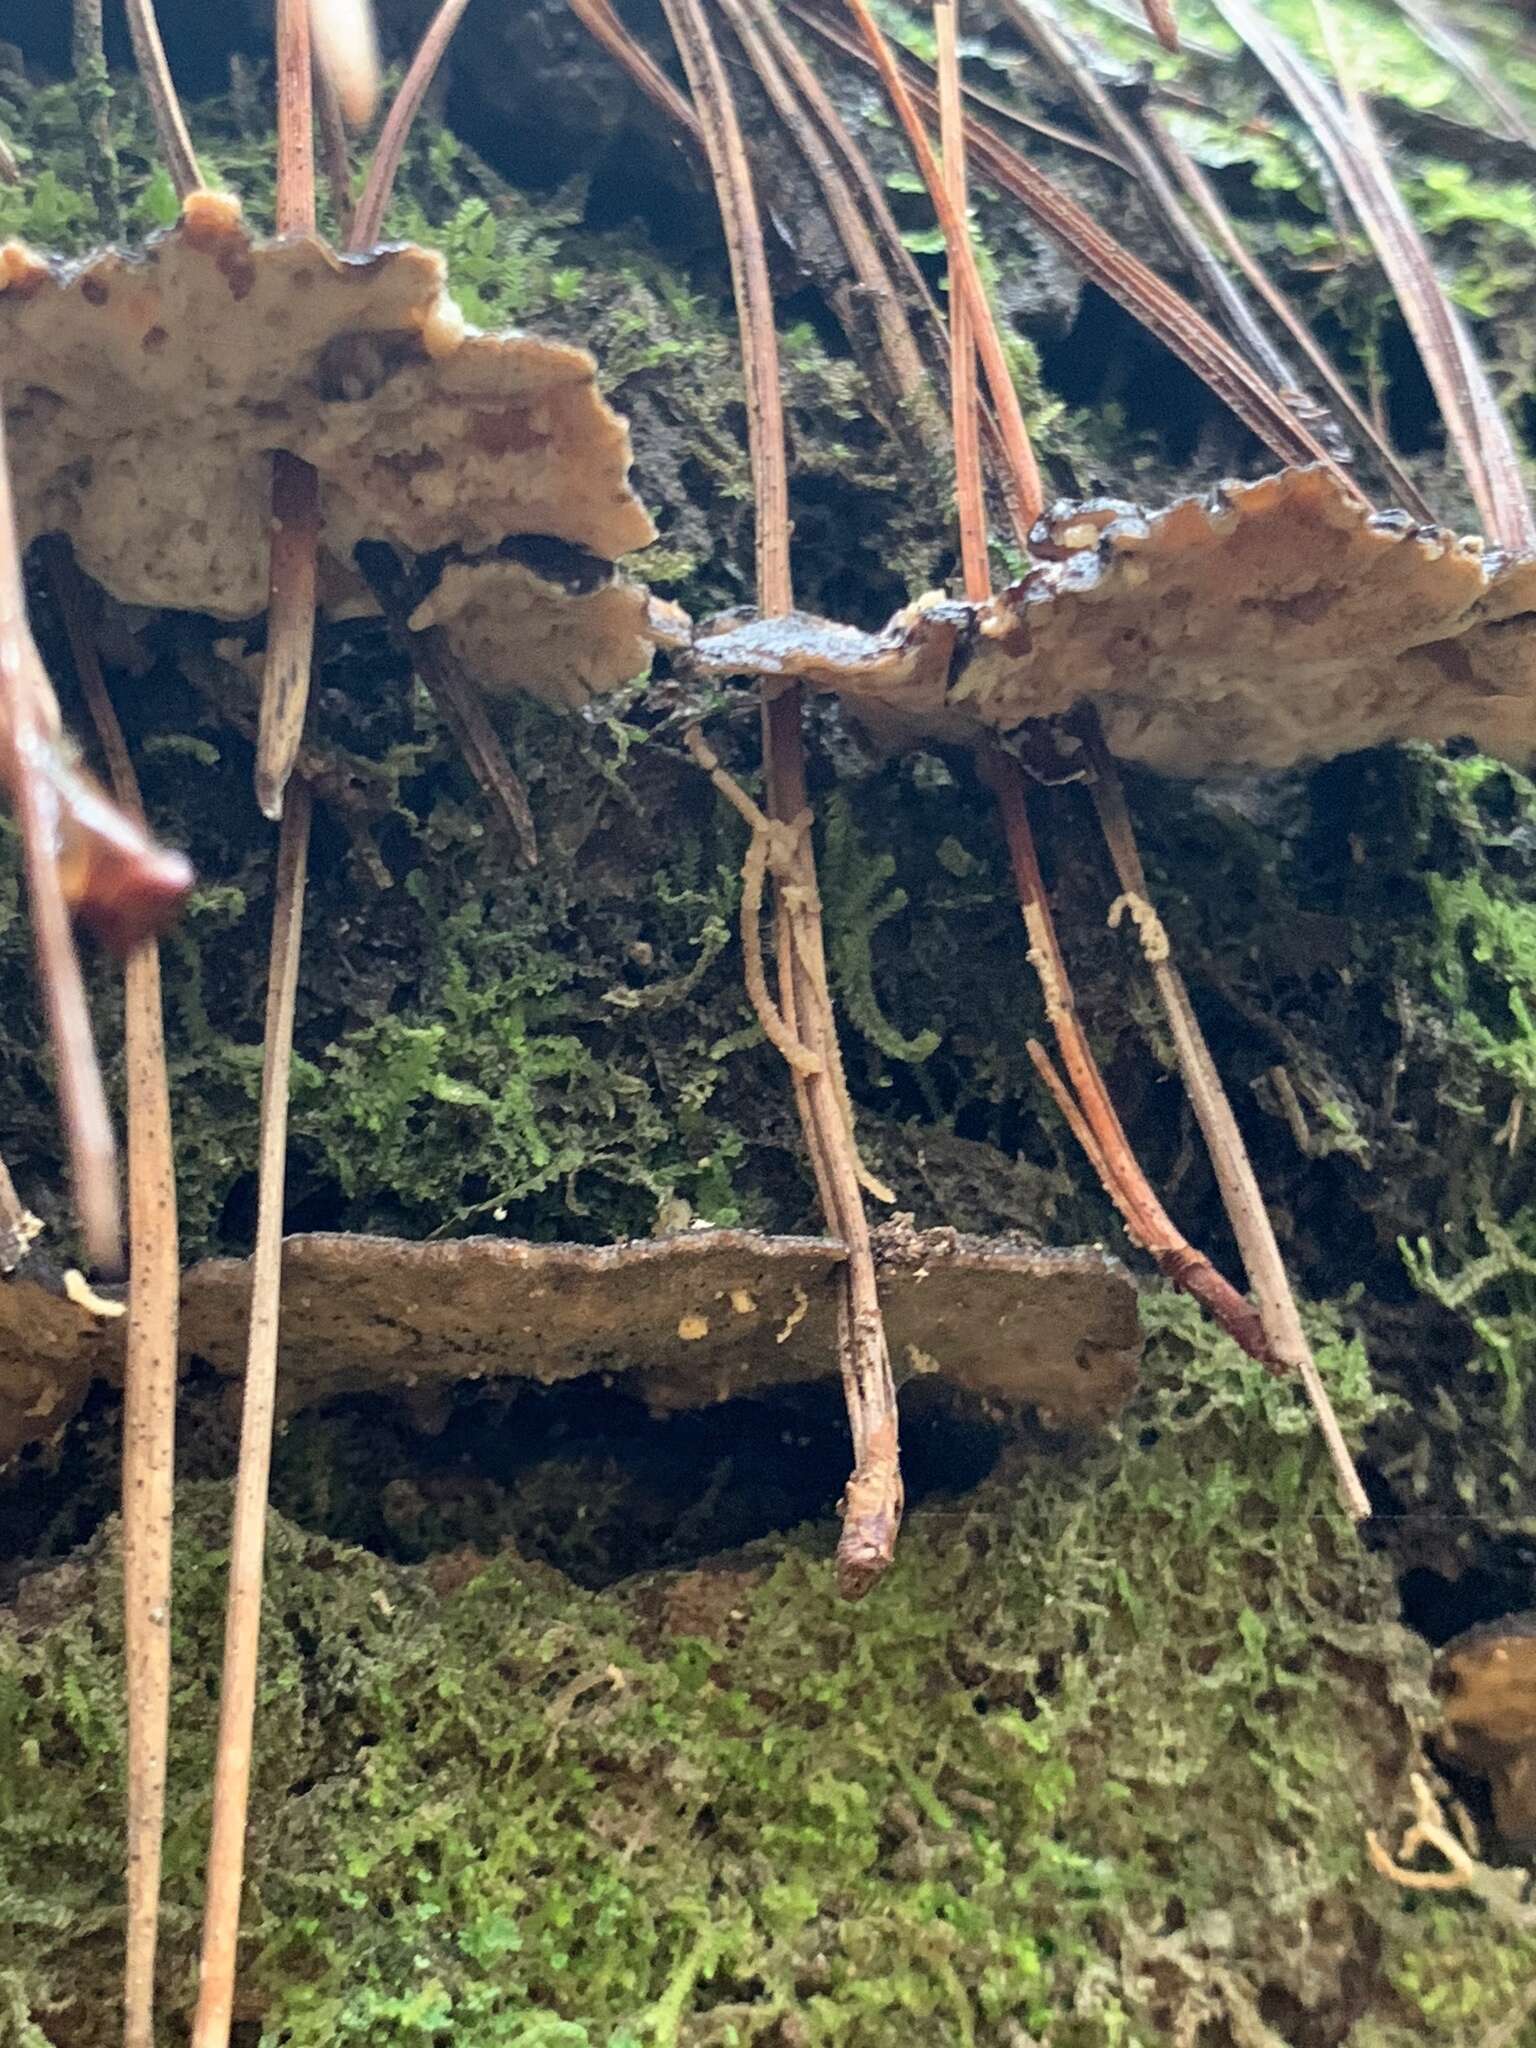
(1092, 1766)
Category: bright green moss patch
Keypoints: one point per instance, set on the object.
(1091, 1767)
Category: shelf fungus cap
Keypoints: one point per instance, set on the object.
(689, 1320)
(148, 390)
(1487, 1679)
(1260, 626)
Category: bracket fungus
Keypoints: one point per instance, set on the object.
(1262, 625)
(1487, 1677)
(151, 388)
(694, 1319)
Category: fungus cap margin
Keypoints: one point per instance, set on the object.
(149, 389)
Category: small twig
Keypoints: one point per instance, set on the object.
(368, 222)
(10, 170)
(149, 1385)
(346, 50)
(1108, 1148)
(242, 1625)
(1240, 1192)
(460, 704)
(872, 1502)
(94, 88)
(164, 106)
(965, 276)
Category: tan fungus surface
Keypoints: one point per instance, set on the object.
(693, 1319)
(149, 389)
(1266, 624)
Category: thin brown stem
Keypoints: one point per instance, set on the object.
(872, 1503)
(242, 1626)
(30, 739)
(164, 106)
(10, 170)
(1162, 21)
(964, 273)
(368, 223)
(1235, 1177)
(1147, 1221)
(970, 503)
(149, 1387)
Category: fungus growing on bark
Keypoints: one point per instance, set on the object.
(1488, 1678)
(1263, 625)
(693, 1319)
(152, 389)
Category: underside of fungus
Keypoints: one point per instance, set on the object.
(151, 389)
(1260, 626)
(689, 1320)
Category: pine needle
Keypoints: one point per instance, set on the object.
(969, 500)
(872, 1502)
(1349, 143)
(368, 223)
(1463, 57)
(290, 641)
(1204, 197)
(149, 1381)
(160, 90)
(1118, 273)
(294, 570)
(242, 1623)
(965, 275)
(1189, 246)
(1235, 1177)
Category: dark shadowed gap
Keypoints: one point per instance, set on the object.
(583, 1478)
(579, 1477)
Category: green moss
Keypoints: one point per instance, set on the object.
(1101, 1750)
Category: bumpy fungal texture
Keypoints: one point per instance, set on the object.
(689, 1320)
(1262, 625)
(150, 388)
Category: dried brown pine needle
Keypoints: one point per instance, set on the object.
(872, 1502)
(149, 1378)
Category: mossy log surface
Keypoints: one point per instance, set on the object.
(564, 1740)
